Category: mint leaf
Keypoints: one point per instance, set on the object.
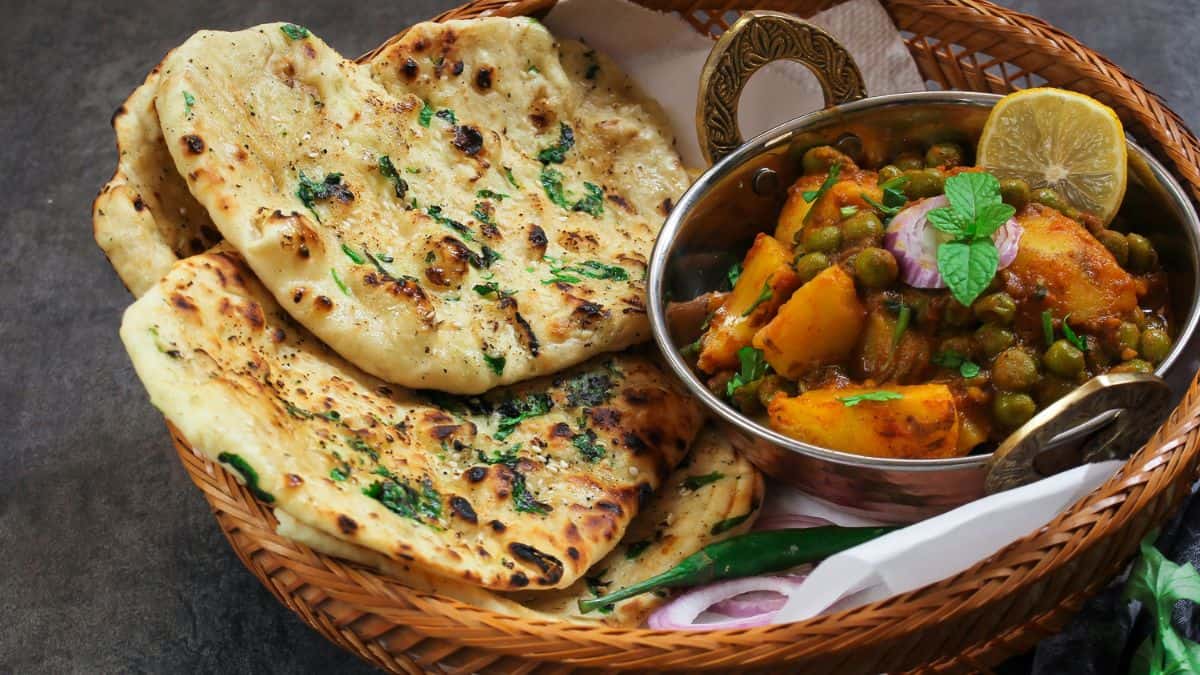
(948, 220)
(991, 218)
(970, 192)
(1158, 584)
(967, 268)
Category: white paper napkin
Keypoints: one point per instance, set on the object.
(665, 55)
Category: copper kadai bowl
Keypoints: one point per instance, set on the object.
(742, 194)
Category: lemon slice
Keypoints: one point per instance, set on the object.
(1060, 139)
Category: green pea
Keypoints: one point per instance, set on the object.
(821, 158)
(1117, 245)
(862, 227)
(1012, 410)
(1015, 192)
(810, 265)
(889, 172)
(875, 267)
(924, 183)
(1063, 358)
(1155, 345)
(1051, 388)
(1134, 366)
(823, 239)
(1014, 370)
(1051, 197)
(997, 307)
(1129, 336)
(1142, 256)
(909, 160)
(944, 154)
(992, 339)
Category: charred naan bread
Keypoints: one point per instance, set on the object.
(491, 229)
(145, 219)
(524, 487)
(403, 571)
(715, 494)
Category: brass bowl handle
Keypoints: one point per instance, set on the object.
(1143, 402)
(753, 41)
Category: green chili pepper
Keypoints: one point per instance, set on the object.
(746, 556)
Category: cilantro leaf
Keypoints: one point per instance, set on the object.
(879, 396)
(587, 444)
(338, 280)
(753, 367)
(697, 482)
(294, 32)
(353, 255)
(556, 153)
(426, 115)
(552, 183)
(893, 195)
(811, 196)
(968, 267)
(734, 273)
(488, 194)
(495, 363)
(1072, 336)
(388, 170)
(881, 208)
(764, 295)
(188, 102)
(593, 202)
(508, 176)
(1047, 327)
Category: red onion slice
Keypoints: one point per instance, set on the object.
(914, 241)
(758, 610)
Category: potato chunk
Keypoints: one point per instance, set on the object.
(767, 281)
(847, 191)
(1080, 276)
(819, 325)
(921, 424)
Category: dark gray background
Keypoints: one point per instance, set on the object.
(109, 559)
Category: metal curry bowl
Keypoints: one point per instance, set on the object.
(741, 195)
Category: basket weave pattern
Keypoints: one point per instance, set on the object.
(998, 608)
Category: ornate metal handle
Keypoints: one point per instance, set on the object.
(1144, 401)
(753, 41)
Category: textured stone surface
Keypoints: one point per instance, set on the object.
(109, 559)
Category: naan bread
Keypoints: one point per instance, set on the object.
(403, 571)
(431, 268)
(714, 495)
(712, 489)
(525, 487)
(145, 219)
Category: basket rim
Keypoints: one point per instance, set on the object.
(1167, 461)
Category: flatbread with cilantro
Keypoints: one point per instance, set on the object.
(715, 494)
(524, 487)
(144, 218)
(490, 228)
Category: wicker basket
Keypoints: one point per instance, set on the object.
(999, 608)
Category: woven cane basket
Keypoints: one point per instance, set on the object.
(996, 609)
